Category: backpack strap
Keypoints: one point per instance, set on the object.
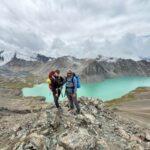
(73, 88)
(73, 79)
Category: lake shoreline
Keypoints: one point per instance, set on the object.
(127, 97)
(106, 90)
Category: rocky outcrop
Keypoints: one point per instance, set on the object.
(1, 57)
(95, 128)
(43, 58)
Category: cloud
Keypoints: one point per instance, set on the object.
(79, 27)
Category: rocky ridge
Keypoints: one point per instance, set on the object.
(44, 128)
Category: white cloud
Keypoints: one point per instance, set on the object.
(83, 28)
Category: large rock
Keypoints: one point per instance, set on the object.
(77, 140)
(90, 117)
(34, 142)
(122, 133)
(147, 135)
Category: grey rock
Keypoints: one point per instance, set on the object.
(77, 140)
(40, 98)
(147, 135)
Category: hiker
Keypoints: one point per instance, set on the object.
(56, 85)
(71, 90)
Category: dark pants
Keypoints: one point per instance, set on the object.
(73, 101)
(56, 95)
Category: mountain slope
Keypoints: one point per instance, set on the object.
(99, 69)
(63, 63)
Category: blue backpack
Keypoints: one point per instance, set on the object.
(78, 80)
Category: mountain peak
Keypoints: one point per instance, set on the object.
(1, 57)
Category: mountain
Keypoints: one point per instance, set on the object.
(17, 64)
(90, 70)
(63, 64)
(93, 70)
(100, 69)
(8, 56)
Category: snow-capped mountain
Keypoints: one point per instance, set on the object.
(7, 56)
(90, 69)
(145, 58)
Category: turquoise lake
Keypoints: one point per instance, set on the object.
(105, 90)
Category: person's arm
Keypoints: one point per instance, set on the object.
(62, 81)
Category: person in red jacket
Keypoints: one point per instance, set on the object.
(56, 85)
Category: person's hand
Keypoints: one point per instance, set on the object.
(56, 95)
(73, 95)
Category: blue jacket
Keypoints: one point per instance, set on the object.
(71, 85)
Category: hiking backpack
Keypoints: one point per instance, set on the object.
(78, 80)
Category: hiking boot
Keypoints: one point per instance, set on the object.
(78, 111)
(60, 109)
(70, 109)
(72, 112)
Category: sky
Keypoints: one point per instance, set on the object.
(81, 28)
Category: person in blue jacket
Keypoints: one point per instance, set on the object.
(71, 91)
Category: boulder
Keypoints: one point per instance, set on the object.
(135, 138)
(77, 140)
(90, 117)
(137, 147)
(33, 141)
(102, 144)
(147, 136)
(122, 133)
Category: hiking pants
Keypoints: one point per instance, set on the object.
(72, 101)
(56, 98)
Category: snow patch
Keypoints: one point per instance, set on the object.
(8, 55)
(106, 59)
